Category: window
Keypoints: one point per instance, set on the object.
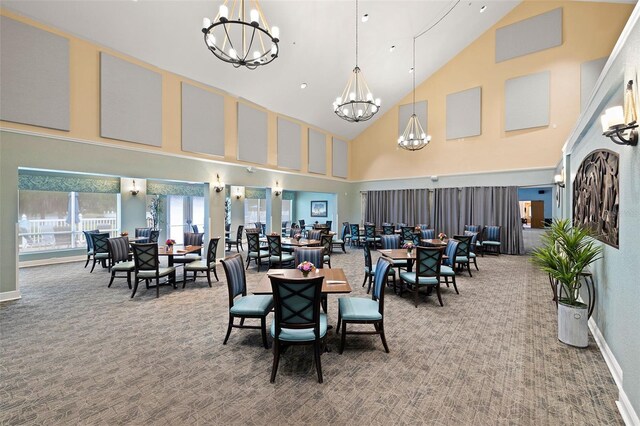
(51, 220)
(183, 212)
(286, 210)
(255, 210)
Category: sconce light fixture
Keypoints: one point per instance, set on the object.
(277, 190)
(238, 193)
(559, 180)
(219, 186)
(134, 190)
(615, 127)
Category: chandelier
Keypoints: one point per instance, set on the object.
(356, 103)
(414, 137)
(241, 42)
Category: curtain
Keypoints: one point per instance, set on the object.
(35, 180)
(410, 206)
(446, 205)
(175, 188)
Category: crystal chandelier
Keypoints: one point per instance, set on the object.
(356, 103)
(241, 42)
(414, 137)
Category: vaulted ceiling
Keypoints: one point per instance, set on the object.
(317, 45)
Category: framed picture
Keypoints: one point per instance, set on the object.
(318, 209)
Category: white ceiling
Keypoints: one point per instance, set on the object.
(317, 45)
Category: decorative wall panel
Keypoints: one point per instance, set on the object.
(596, 197)
(464, 113)
(202, 121)
(529, 35)
(526, 101)
(252, 134)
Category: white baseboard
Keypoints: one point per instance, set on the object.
(627, 412)
(52, 261)
(10, 295)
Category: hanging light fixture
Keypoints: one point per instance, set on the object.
(414, 137)
(241, 42)
(356, 103)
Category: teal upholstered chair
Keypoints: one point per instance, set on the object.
(255, 252)
(479, 229)
(462, 254)
(190, 239)
(447, 269)
(252, 306)
(358, 310)
(355, 235)
(154, 234)
(148, 267)
(393, 242)
(491, 241)
(428, 234)
(388, 229)
(315, 234)
(325, 242)
(427, 272)
(143, 233)
(89, 242)
(473, 247)
(340, 242)
(370, 270)
(370, 236)
(297, 317)
(100, 248)
(310, 254)
(276, 256)
(206, 265)
(120, 259)
(237, 241)
(408, 234)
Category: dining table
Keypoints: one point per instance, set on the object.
(292, 242)
(434, 242)
(335, 281)
(400, 254)
(176, 250)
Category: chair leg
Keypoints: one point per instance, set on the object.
(339, 321)
(113, 275)
(343, 338)
(384, 340)
(157, 287)
(453, 280)
(87, 262)
(475, 263)
(184, 279)
(94, 264)
(228, 329)
(263, 326)
(135, 287)
(129, 279)
(416, 294)
(276, 360)
(469, 268)
(438, 293)
(446, 280)
(365, 280)
(343, 249)
(318, 353)
(370, 283)
(209, 277)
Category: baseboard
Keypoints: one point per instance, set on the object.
(627, 412)
(10, 295)
(52, 261)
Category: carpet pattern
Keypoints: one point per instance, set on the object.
(74, 351)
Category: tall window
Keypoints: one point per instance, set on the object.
(255, 210)
(184, 212)
(51, 220)
(287, 207)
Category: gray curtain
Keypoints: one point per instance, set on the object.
(409, 206)
(446, 207)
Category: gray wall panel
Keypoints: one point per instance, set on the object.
(130, 102)
(526, 101)
(589, 73)
(34, 76)
(530, 35)
(202, 121)
(289, 141)
(317, 152)
(464, 113)
(340, 154)
(405, 111)
(252, 134)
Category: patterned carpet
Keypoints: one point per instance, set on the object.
(76, 352)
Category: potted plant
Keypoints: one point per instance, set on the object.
(566, 251)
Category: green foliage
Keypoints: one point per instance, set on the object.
(155, 208)
(566, 251)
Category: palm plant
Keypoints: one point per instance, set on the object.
(566, 251)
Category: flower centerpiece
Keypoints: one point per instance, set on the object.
(170, 242)
(297, 236)
(442, 236)
(306, 267)
(124, 234)
(273, 234)
(409, 246)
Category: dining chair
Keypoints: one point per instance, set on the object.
(190, 239)
(309, 254)
(245, 306)
(428, 234)
(297, 318)
(154, 234)
(447, 269)
(142, 232)
(194, 228)
(89, 242)
(276, 256)
(370, 270)
(408, 234)
(462, 254)
(237, 242)
(340, 242)
(473, 247)
(427, 272)
(491, 240)
(261, 227)
(303, 230)
(255, 252)
(355, 235)
(100, 248)
(325, 242)
(370, 235)
(390, 242)
(147, 263)
(480, 230)
(328, 224)
(388, 229)
(120, 259)
(315, 234)
(399, 225)
(423, 226)
(360, 310)
(207, 265)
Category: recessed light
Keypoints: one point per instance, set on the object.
(483, 8)
(410, 70)
(365, 17)
(392, 48)
(303, 86)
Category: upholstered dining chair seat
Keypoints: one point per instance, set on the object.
(462, 259)
(491, 243)
(373, 270)
(472, 254)
(152, 273)
(400, 263)
(447, 270)
(262, 254)
(300, 335)
(411, 278)
(359, 309)
(196, 265)
(124, 266)
(102, 255)
(285, 258)
(252, 305)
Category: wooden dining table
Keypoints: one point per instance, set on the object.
(176, 250)
(303, 242)
(400, 254)
(434, 242)
(335, 281)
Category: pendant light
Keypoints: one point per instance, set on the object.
(414, 137)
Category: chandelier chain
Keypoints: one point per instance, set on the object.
(356, 33)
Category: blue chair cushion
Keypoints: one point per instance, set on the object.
(491, 243)
(373, 270)
(411, 278)
(252, 305)
(369, 239)
(152, 274)
(446, 270)
(462, 259)
(255, 255)
(124, 266)
(285, 258)
(358, 309)
(472, 254)
(102, 255)
(325, 258)
(198, 265)
(300, 335)
(400, 263)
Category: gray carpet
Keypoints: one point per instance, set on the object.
(76, 352)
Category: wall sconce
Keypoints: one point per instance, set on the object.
(134, 190)
(219, 186)
(615, 127)
(277, 190)
(559, 180)
(238, 193)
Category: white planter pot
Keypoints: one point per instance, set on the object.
(572, 325)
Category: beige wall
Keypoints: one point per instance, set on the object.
(85, 107)
(590, 32)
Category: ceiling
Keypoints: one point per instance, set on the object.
(317, 45)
